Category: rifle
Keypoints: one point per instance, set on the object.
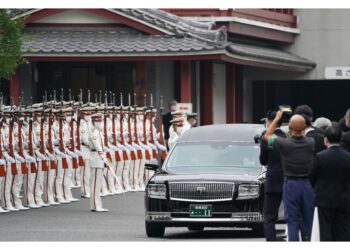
(161, 139)
(108, 154)
(125, 155)
(145, 141)
(33, 168)
(44, 164)
(114, 134)
(53, 163)
(154, 151)
(20, 140)
(14, 170)
(2, 166)
(72, 141)
(139, 151)
(61, 146)
(132, 152)
(80, 158)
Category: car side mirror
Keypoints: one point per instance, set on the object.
(152, 165)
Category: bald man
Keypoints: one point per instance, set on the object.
(297, 161)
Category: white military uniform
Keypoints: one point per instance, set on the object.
(117, 164)
(58, 185)
(39, 177)
(3, 176)
(67, 172)
(129, 161)
(97, 160)
(6, 184)
(49, 176)
(29, 179)
(17, 180)
(85, 125)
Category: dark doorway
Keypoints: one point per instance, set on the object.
(328, 98)
(112, 76)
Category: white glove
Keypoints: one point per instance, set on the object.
(19, 158)
(112, 147)
(59, 153)
(78, 152)
(152, 146)
(122, 147)
(40, 155)
(160, 146)
(106, 160)
(71, 153)
(9, 159)
(136, 146)
(2, 162)
(29, 158)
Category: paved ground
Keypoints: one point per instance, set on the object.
(75, 222)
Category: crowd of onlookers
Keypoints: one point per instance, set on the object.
(308, 168)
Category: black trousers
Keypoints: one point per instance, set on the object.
(272, 203)
(334, 223)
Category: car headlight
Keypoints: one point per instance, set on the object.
(248, 191)
(156, 191)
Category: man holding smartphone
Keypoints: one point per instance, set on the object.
(296, 153)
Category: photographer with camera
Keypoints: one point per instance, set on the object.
(273, 182)
(297, 152)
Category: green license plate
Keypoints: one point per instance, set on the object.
(199, 210)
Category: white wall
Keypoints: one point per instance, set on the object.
(219, 93)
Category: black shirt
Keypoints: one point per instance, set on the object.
(297, 153)
(270, 158)
(166, 124)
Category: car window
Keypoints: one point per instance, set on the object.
(214, 155)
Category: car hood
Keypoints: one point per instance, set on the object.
(163, 177)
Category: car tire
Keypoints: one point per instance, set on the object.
(154, 230)
(259, 230)
(195, 228)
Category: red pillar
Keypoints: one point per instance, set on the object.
(140, 86)
(206, 92)
(185, 81)
(234, 93)
(15, 87)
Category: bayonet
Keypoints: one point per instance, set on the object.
(152, 100)
(69, 95)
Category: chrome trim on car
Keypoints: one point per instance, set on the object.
(235, 217)
(201, 191)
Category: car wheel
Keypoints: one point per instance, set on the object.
(154, 230)
(196, 228)
(259, 230)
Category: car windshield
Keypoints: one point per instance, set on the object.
(215, 157)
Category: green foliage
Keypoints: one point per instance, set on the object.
(10, 44)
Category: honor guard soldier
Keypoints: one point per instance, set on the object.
(29, 152)
(11, 165)
(49, 177)
(72, 157)
(42, 167)
(85, 125)
(18, 150)
(3, 168)
(98, 160)
(178, 126)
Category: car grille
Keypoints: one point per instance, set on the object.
(201, 191)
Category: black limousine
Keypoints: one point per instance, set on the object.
(211, 178)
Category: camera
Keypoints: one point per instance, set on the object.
(287, 113)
